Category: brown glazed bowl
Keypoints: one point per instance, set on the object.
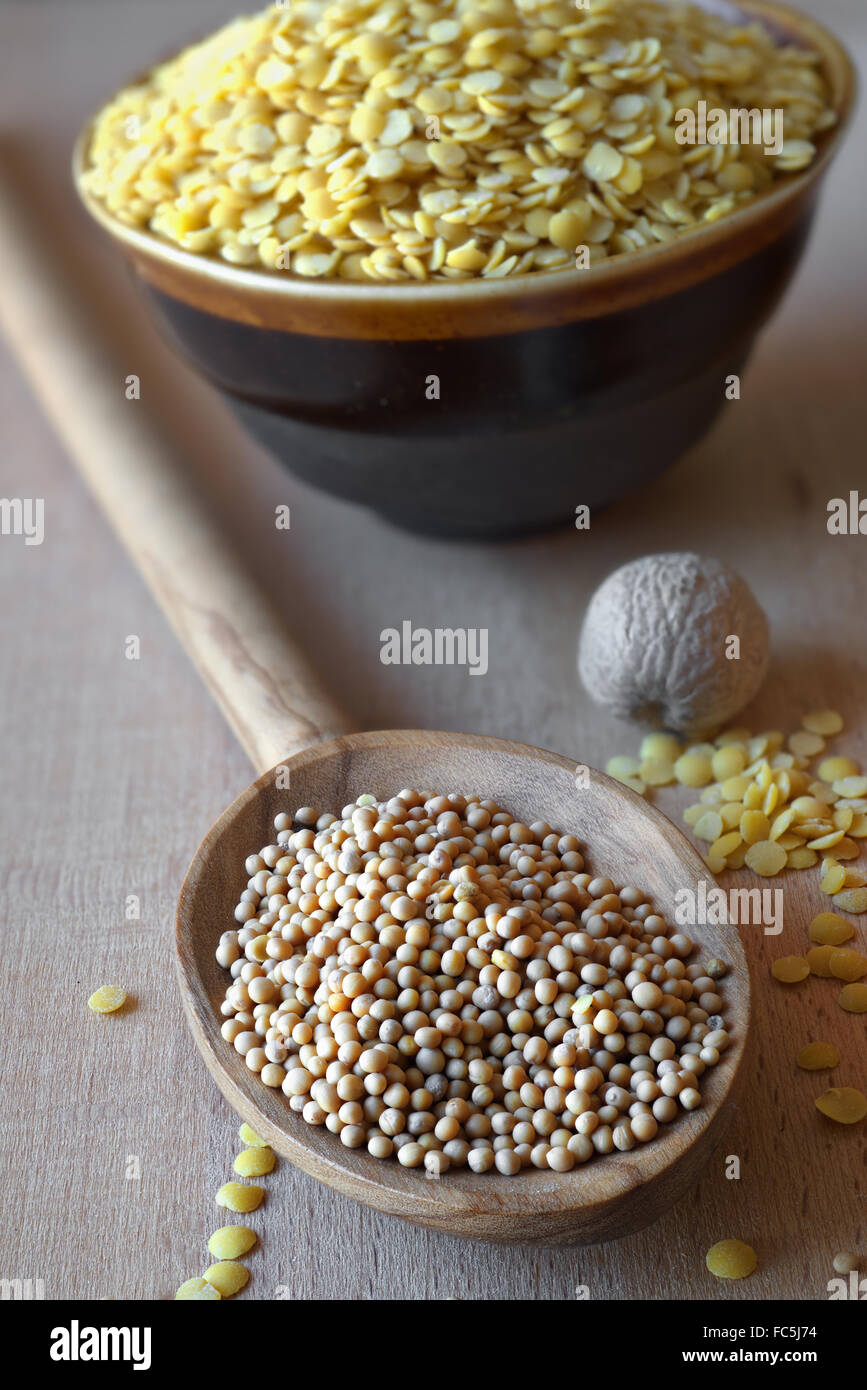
(554, 389)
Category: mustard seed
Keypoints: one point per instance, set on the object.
(485, 1033)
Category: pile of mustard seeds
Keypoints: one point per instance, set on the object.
(395, 140)
(431, 979)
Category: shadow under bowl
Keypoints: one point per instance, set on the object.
(624, 837)
(491, 408)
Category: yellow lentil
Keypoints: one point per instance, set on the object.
(107, 999)
(833, 879)
(693, 769)
(228, 1277)
(847, 965)
(830, 930)
(818, 1056)
(754, 827)
(819, 961)
(240, 1197)
(850, 787)
(770, 815)
(542, 111)
(255, 1163)
(806, 745)
(802, 858)
(843, 1104)
(833, 769)
(726, 845)
(657, 772)
(623, 766)
(853, 998)
(731, 1259)
(728, 761)
(709, 826)
(823, 721)
(229, 1242)
(198, 1289)
(790, 970)
(851, 900)
(766, 858)
(251, 1138)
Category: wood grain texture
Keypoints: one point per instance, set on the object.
(229, 627)
(114, 769)
(624, 837)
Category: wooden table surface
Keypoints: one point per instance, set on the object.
(117, 1139)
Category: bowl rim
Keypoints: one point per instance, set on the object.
(614, 275)
(385, 1185)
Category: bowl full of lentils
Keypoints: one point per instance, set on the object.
(474, 1009)
(416, 242)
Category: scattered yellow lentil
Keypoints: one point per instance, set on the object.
(107, 999)
(229, 1242)
(823, 721)
(847, 965)
(198, 1289)
(819, 961)
(656, 772)
(805, 744)
(850, 786)
(818, 1056)
(693, 769)
(228, 1277)
(663, 746)
(853, 998)
(833, 879)
(832, 769)
(728, 761)
(827, 929)
(240, 1197)
(342, 140)
(851, 900)
(754, 827)
(623, 766)
(766, 858)
(255, 1163)
(760, 807)
(843, 1104)
(802, 859)
(251, 1138)
(708, 827)
(790, 970)
(731, 1259)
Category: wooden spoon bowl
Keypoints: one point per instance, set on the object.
(625, 838)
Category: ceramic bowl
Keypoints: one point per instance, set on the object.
(554, 390)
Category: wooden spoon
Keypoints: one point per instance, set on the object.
(625, 838)
(275, 705)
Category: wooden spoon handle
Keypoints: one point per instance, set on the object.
(229, 628)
